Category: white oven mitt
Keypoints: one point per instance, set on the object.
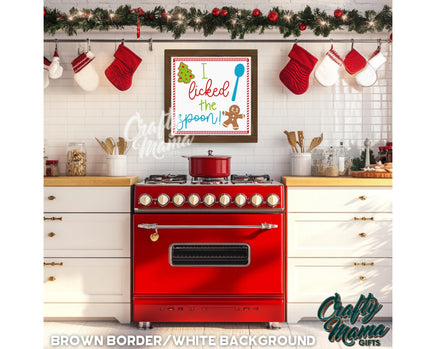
(46, 68)
(327, 72)
(84, 71)
(368, 75)
(55, 70)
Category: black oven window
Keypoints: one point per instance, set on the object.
(210, 254)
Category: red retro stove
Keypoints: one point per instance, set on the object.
(208, 250)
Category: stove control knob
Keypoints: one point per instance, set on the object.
(209, 200)
(163, 199)
(240, 200)
(272, 200)
(225, 200)
(145, 200)
(256, 200)
(178, 200)
(193, 200)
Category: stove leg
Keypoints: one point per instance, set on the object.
(144, 325)
(273, 325)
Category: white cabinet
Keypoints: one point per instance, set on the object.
(87, 252)
(339, 240)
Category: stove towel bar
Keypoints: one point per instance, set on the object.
(263, 226)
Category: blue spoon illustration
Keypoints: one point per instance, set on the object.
(239, 71)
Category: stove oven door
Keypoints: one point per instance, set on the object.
(208, 267)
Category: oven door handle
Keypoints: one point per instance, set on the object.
(263, 226)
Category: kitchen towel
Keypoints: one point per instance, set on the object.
(84, 72)
(327, 72)
(295, 75)
(368, 75)
(120, 72)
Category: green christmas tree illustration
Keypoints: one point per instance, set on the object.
(185, 74)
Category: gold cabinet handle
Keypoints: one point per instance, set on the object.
(51, 278)
(362, 278)
(363, 264)
(362, 197)
(52, 218)
(363, 218)
(51, 234)
(362, 235)
(51, 197)
(52, 264)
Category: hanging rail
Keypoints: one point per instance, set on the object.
(226, 40)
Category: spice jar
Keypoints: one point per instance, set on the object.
(51, 168)
(332, 169)
(76, 159)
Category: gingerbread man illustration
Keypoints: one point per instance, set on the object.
(233, 115)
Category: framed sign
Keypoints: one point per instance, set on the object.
(211, 95)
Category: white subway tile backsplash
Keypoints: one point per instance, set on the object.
(343, 112)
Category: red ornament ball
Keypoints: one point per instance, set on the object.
(59, 15)
(150, 16)
(223, 13)
(164, 15)
(256, 12)
(302, 26)
(273, 16)
(216, 12)
(338, 13)
(390, 37)
(44, 12)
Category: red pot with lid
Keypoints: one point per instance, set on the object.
(215, 166)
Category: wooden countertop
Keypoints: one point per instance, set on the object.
(290, 181)
(89, 181)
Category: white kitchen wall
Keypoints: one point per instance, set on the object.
(343, 112)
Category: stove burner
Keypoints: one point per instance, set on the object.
(250, 179)
(166, 179)
(209, 180)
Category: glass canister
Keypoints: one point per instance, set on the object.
(332, 163)
(76, 159)
(51, 168)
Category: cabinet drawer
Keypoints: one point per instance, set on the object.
(315, 279)
(87, 280)
(87, 199)
(339, 235)
(87, 235)
(322, 199)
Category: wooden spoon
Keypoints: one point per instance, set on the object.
(292, 140)
(121, 145)
(109, 145)
(102, 145)
(301, 140)
(315, 142)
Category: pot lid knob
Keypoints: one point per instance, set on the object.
(209, 152)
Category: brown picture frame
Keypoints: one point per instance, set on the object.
(252, 138)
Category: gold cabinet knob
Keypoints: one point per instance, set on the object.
(362, 197)
(363, 218)
(52, 218)
(362, 278)
(154, 237)
(51, 234)
(362, 235)
(53, 264)
(51, 197)
(51, 278)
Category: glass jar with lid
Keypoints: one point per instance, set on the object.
(332, 163)
(51, 168)
(76, 159)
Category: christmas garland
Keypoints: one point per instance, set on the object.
(238, 22)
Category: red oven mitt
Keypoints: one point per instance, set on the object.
(120, 72)
(295, 76)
